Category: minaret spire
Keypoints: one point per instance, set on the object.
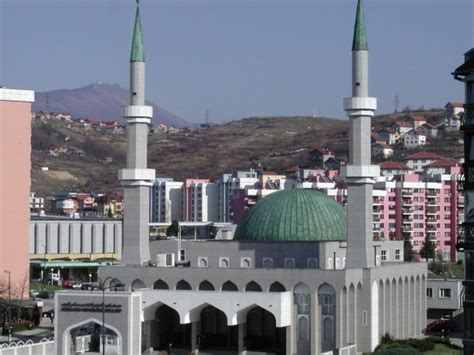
(359, 41)
(136, 178)
(138, 54)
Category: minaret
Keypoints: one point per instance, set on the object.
(136, 179)
(359, 173)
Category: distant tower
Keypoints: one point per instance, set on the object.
(136, 178)
(465, 73)
(396, 102)
(359, 173)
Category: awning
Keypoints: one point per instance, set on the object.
(72, 264)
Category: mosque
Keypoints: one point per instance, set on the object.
(302, 275)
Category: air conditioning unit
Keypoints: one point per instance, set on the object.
(165, 260)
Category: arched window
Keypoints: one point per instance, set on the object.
(312, 263)
(229, 286)
(224, 262)
(303, 329)
(290, 263)
(328, 330)
(277, 287)
(202, 262)
(206, 286)
(160, 285)
(327, 301)
(252, 286)
(267, 263)
(138, 285)
(183, 285)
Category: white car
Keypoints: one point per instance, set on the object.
(77, 285)
(34, 293)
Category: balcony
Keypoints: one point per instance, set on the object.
(407, 211)
(407, 193)
(431, 229)
(376, 218)
(407, 202)
(431, 194)
(377, 201)
(431, 202)
(431, 221)
(406, 229)
(431, 211)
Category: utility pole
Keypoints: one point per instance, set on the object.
(9, 308)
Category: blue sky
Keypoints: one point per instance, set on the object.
(240, 58)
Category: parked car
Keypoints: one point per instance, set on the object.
(34, 293)
(443, 326)
(77, 285)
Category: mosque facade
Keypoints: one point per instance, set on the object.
(302, 274)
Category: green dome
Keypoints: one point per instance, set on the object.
(294, 215)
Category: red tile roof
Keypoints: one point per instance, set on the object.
(383, 144)
(391, 165)
(424, 155)
(454, 104)
(402, 124)
(442, 163)
(417, 118)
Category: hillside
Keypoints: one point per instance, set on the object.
(98, 101)
(268, 143)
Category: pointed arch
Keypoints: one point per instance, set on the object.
(229, 286)
(160, 285)
(276, 287)
(116, 285)
(301, 287)
(252, 286)
(183, 285)
(138, 284)
(206, 286)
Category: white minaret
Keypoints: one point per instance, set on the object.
(136, 179)
(359, 173)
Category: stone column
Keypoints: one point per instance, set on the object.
(195, 331)
(242, 334)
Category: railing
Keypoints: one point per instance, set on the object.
(468, 115)
(44, 347)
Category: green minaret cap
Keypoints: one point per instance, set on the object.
(138, 54)
(360, 35)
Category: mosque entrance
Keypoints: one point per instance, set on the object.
(262, 333)
(215, 333)
(89, 338)
(170, 332)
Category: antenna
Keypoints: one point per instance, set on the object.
(396, 102)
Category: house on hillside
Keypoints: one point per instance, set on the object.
(415, 121)
(390, 168)
(418, 160)
(428, 130)
(442, 166)
(319, 156)
(401, 127)
(389, 136)
(382, 149)
(454, 112)
(413, 139)
(63, 116)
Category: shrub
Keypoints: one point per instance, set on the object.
(421, 344)
(395, 349)
(459, 262)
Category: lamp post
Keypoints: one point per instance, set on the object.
(9, 308)
(102, 286)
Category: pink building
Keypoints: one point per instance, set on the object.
(15, 163)
(410, 207)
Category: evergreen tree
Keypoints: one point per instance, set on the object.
(427, 251)
(408, 252)
(173, 229)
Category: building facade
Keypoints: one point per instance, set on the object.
(15, 165)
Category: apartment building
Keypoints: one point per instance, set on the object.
(36, 203)
(200, 200)
(166, 200)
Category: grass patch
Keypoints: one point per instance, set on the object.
(44, 287)
(441, 349)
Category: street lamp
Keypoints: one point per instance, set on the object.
(9, 308)
(102, 286)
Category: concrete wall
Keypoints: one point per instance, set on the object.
(437, 301)
(74, 236)
(15, 164)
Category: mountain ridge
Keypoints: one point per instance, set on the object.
(100, 101)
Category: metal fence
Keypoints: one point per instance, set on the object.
(44, 347)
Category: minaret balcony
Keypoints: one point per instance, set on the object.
(360, 106)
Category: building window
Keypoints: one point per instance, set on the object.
(312, 263)
(429, 292)
(224, 262)
(384, 255)
(303, 328)
(330, 265)
(267, 263)
(397, 254)
(202, 261)
(245, 263)
(364, 317)
(182, 255)
(290, 263)
(444, 293)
